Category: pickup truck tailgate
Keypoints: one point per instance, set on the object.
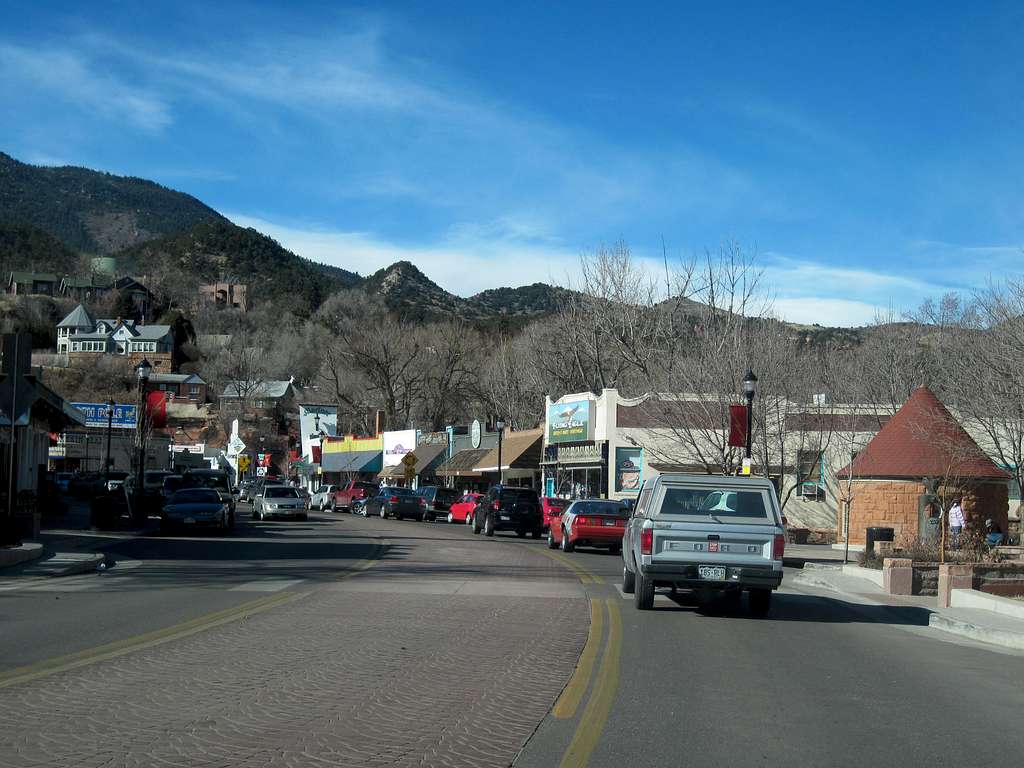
(679, 543)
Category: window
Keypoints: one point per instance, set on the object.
(700, 503)
(193, 390)
(258, 403)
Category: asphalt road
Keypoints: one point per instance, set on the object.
(351, 641)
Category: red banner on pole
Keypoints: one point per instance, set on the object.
(738, 426)
(156, 406)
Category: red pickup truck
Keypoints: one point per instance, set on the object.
(357, 489)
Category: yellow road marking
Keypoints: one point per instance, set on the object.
(361, 565)
(571, 697)
(140, 642)
(585, 576)
(595, 715)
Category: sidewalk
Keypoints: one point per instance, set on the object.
(976, 624)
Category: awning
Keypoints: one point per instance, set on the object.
(427, 458)
(351, 461)
(462, 463)
(519, 450)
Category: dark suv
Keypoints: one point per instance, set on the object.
(509, 509)
(439, 500)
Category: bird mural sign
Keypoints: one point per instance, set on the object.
(570, 422)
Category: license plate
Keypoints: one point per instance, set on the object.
(190, 519)
(711, 572)
(610, 522)
(505, 517)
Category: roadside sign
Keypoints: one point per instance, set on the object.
(235, 446)
(243, 463)
(474, 433)
(96, 415)
(261, 471)
(746, 467)
(409, 460)
(409, 472)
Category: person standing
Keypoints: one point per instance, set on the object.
(956, 522)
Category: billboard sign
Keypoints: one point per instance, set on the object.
(312, 417)
(570, 422)
(397, 444)
(96, 415)
(629, 469)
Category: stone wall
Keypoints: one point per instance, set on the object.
(886, 503)
(986, 500)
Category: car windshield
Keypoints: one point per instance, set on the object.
(397, 492)
(280, 492)
(748, 506)
(207, 481)
(557, 503)
(447, 494)
(196, 496)
(519, 495)
(611, 508)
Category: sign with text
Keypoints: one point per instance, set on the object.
(96, 415)
(570, 422)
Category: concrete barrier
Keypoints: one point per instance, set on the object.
(29, 550)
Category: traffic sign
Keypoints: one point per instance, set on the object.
(261, 471)
(243, 463)
(474, 433)
(235, 446)
(409, 472)
(409, 460)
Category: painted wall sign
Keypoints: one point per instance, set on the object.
(397, 444)
(96, 415)
(570, 422)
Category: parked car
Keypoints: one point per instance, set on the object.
(438, 500)
(323, 497)
(279, 501)
(358, 507)
(705, 532)
(356, 489)
(171, 485)
(396, 502)
(462, 510)
(212, 478)
(552, 506)
(114, 481)
(509, 509)
(245, 490)
(196, 508)
(591, 523)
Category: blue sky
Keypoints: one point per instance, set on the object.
(870, 154)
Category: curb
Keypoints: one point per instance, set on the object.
(999, 637)
(22, 554)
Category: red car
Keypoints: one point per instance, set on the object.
(552, 506)
(589, 523)
(462, 510)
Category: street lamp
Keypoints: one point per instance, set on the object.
(110, 425)
(500, 426)
(749, 387)
(142, 370)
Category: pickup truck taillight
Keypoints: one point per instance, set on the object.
(646, 541)
(778, 546)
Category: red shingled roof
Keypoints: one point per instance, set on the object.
(924, 440)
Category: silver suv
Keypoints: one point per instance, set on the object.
(704, 532)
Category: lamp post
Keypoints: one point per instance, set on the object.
(500, 426)
(143, 370)
(110, 425)
(749, 387)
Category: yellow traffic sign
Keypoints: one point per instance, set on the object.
(409, 460)
(243, 463)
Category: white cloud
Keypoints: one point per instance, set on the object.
(73, 77)
(826, 311)
(463, 264)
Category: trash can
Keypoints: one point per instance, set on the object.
(874, 534)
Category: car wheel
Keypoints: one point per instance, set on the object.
(759, 601)
(451, 518)
(628, 580)
(259, 515)
(383, 514)
(424, 519)
(567, 546)
(469, 518)
(643, 593)
(552, 544)
(521, 534)
(488, 526)
(476, 528)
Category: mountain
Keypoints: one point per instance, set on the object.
(410, 293)
(92, 211)
(217, 248)
(27, 248)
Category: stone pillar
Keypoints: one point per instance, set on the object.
(898, 575)
(953, 577)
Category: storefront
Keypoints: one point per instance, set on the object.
(350, 458)
(520, 460)
(576, 470)
(430, 452)
(457, 472)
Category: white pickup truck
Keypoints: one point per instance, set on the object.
(705, 532)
